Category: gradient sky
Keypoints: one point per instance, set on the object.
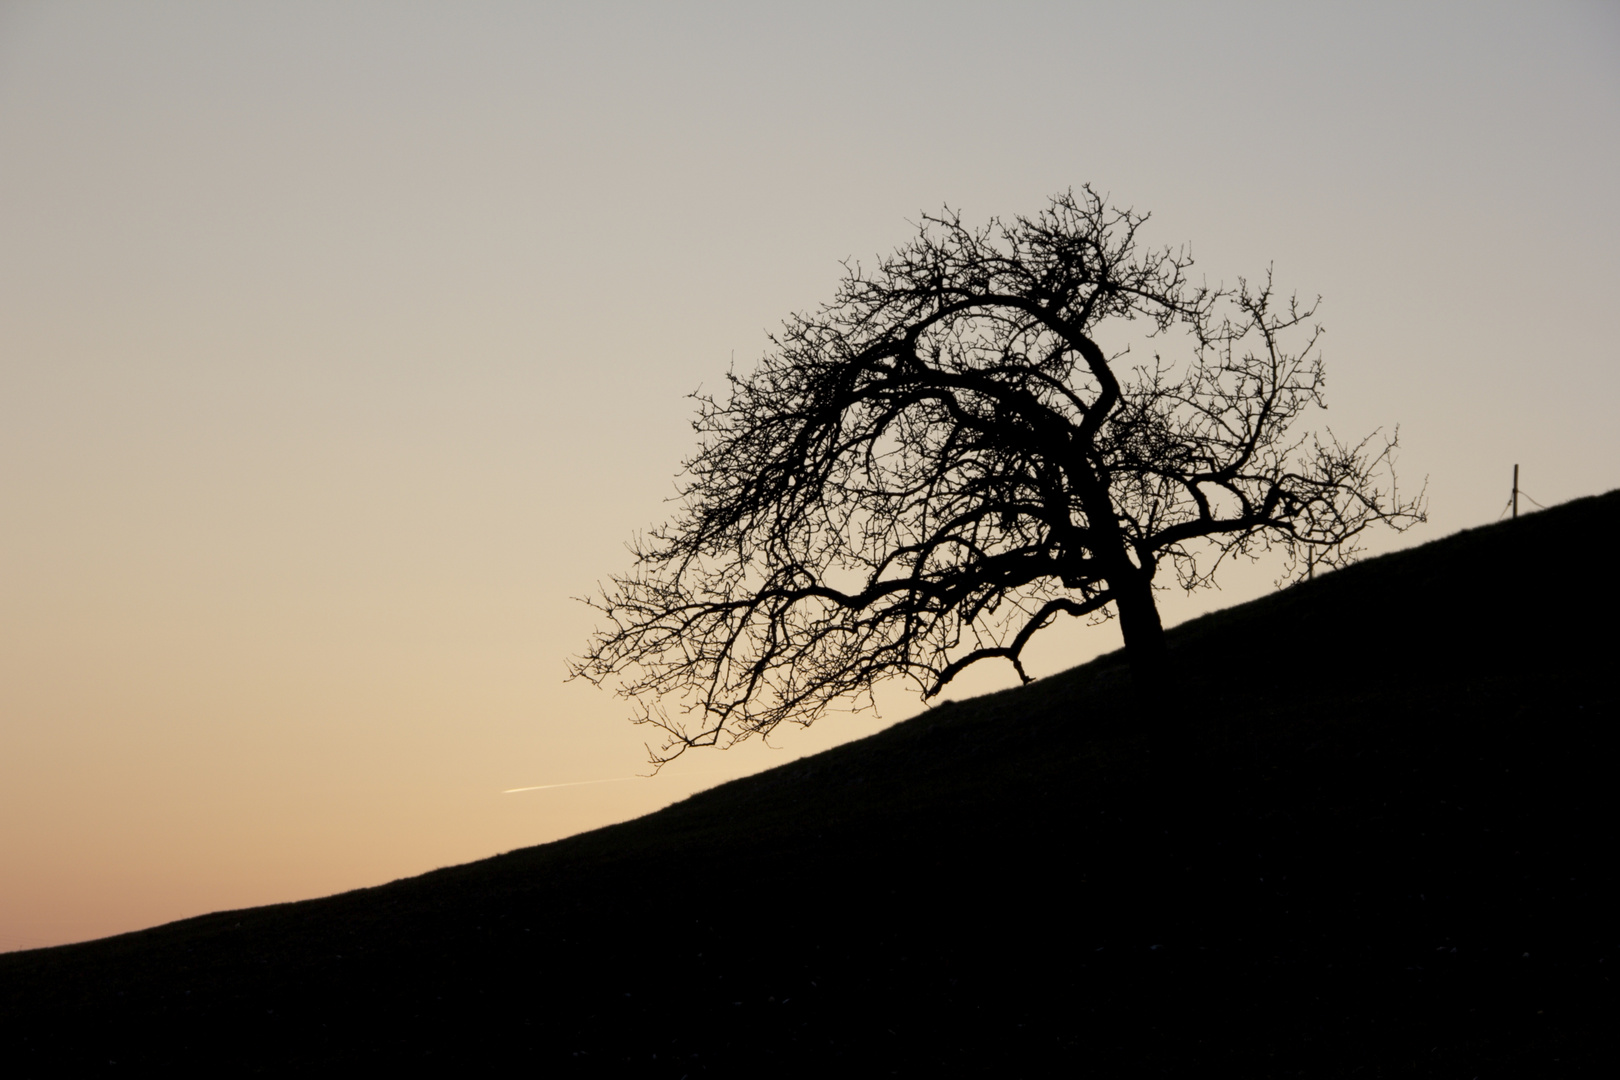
(342, 343)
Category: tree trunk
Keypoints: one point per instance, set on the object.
(1145, 649)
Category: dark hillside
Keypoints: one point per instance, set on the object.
(1373, 843)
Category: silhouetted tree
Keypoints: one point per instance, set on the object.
(926, 471)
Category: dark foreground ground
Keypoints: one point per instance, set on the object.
(1379, 841)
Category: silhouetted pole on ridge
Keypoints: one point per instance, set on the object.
(1512, 506)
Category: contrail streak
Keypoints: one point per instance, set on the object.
(576, 783)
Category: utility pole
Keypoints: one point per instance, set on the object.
(1515, 490)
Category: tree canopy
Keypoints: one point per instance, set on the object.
(963, 446)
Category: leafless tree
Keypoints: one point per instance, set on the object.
(929, 469)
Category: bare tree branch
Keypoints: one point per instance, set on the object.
(926, 471)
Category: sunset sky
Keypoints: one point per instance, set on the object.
(341, 344)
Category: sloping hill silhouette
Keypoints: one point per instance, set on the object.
(1376, 841)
